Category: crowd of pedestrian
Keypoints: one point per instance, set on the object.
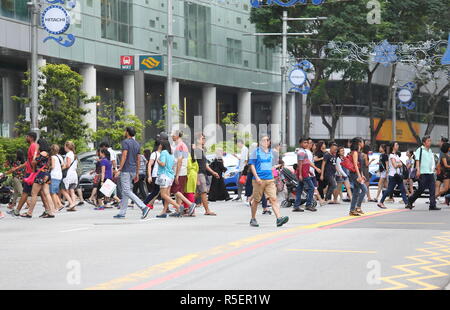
(183, 179)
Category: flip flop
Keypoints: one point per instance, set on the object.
(211, 213)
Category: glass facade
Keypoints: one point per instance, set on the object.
(197, 30)
(234, 51)
(117, 20)
(14, 9)
(264, 55)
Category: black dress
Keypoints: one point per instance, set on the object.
(218, 190)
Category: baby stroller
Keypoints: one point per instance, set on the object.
(6, 192)
(291, 181)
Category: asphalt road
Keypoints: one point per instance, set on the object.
(385, 249)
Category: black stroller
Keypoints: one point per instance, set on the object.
(291, 181)
(6, 192)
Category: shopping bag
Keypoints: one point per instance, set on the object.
(108, 188)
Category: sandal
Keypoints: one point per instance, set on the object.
(48, 216)
(43, 214)
(71, 209)
(358, 210)
(211, 213)
(26, 215)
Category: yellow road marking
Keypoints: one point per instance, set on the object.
(425, 262)
(178, 262)
(410, 223)
(332, 251)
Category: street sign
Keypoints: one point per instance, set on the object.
(151, 62)
(297, 77)
(127, 62)
(405, 95)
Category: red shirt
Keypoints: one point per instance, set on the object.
(302, 156)
(31, 152)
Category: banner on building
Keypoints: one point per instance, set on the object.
(151, 62)
(403, 133)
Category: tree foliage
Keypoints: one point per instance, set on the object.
(401, 21)
(112, 123)
(61, 105)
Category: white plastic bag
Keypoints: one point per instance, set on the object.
(108, 188)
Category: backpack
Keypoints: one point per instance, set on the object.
(348, 163)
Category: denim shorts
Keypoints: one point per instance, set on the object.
(55, 186)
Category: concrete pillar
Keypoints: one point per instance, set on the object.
(41, 62)
(9, 107)
(139, 98)
(292, 123)
(244, 107)
(209, 111)
(276, 119)
(89, 86)
(128, 94)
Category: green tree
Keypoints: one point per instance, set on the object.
(61, 102)
(112, 122)
(401, 21)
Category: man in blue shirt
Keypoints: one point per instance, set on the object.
(261, 164)
(129, 173)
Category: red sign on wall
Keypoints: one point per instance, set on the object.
(127, 62)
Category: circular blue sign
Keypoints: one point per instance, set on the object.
(55, 19)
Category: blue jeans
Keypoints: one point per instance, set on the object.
(126, 182)
(393, 181)
(359, 192)
(310, 192)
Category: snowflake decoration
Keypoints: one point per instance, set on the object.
(385, 53)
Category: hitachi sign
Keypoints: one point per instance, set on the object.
(57, 20)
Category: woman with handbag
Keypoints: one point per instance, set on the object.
(395, 176)
(41, 182)
(70, 177)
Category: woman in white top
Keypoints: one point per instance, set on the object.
(71, 180)
(395, 176)
(56, 175)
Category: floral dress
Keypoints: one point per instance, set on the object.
(42, 166)
(19, 173)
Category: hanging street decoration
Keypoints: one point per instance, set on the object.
(299, 77)
(55, 20)
(405, 95)
(426, 53)
(385, 53)
(284, 3)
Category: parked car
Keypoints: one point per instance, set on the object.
(232, 174)
(87, 161)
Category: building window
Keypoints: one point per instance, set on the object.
(197, 30)
(117, 20)
(264, 55)
(234, 51)
(14, 9)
